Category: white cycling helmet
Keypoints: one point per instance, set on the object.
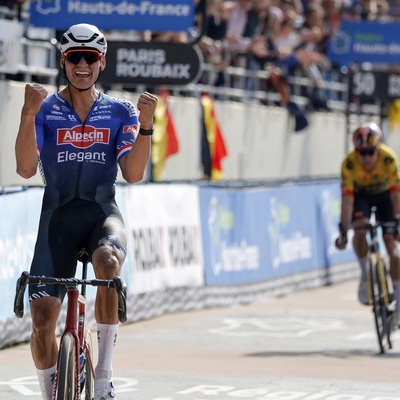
(83, 36)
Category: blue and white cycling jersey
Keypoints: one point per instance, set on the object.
(79, 160)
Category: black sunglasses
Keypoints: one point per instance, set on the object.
(366, 152)
(75, 56)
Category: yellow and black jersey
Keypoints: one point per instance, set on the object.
(385, 175)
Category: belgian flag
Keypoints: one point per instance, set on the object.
(213, 149)
(164, 141)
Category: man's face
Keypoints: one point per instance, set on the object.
(83, 66)
(367, 157)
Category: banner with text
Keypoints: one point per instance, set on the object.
(164, 239)
(293, 240)
(253, 235)
(234, 231)
(151, 63)
(138, 15)
(365, 41)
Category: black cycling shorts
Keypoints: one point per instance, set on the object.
(65, 231)
(384, 209)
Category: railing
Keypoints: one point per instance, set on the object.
(244, 84)
(39, 58)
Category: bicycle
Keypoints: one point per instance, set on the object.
(75, 371)
(380, 291)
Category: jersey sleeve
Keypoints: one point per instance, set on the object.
(394, 174)
(128, 129)
(346, 180)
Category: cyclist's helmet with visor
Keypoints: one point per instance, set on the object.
(81, 37)
(367, 135)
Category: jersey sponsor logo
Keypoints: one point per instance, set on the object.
(99, 117)
(55, 117)
(102, 112)
(130, 129)
(88, 156)
(101, 107)
(83, 137)
(127, 105)
(388, 160)
(350, 165)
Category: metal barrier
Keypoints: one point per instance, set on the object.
(245, 83)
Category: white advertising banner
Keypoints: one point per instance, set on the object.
(164, 237)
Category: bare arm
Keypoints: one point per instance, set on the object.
(345, 220)
(347, 210)
(134, 163)
(25, 145)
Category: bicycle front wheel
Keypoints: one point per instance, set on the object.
(388, 304)
(66, 369)
(378, 290)
(88, 388)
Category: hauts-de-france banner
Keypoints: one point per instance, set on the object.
(139, 15)
(364, 41)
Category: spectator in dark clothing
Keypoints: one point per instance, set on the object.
(212, 43)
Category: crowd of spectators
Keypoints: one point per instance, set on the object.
(281, 36)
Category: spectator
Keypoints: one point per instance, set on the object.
(382, 11)
(331, 21)
(310, 54)
(235, 39)
(368, 10)
(211, 43)
(267, 56)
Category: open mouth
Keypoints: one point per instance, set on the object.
(82, 74)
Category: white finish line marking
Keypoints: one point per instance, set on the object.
(275, 327)
(29, 386)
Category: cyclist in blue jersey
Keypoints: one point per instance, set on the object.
(78, 137)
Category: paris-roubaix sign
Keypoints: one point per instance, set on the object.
(139, 15)
(153, 63)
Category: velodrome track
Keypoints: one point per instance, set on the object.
(318, 344)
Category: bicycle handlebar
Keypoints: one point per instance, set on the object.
(25, 279)
(373, 225)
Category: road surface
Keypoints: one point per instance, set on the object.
(318, 344)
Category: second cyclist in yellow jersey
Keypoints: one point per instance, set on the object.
(370, 178)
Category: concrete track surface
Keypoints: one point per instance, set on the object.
(314, 345)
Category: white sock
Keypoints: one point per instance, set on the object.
(46, 381)
(396, 292)
(106, 338)
(364, 267)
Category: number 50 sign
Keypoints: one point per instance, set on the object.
(370, 86)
